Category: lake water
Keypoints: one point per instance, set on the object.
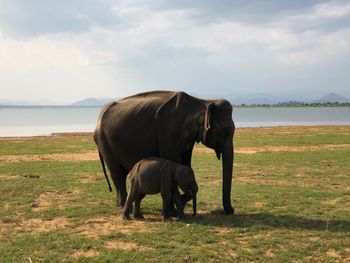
(30, 121)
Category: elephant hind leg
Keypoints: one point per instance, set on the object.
(117, 172)
(137, 210)
(133, 195)
(118, 175)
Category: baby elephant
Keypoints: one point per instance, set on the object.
(156, 175)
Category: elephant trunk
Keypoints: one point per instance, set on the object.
(194, 205)
(227, 168)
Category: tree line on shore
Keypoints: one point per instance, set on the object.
(298, 104)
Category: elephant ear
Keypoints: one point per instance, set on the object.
(170, 117)
(207, 118)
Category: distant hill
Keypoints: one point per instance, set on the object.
(91, 102)
(251, 99)
(332, 98)
(257, 98)
(270, 99)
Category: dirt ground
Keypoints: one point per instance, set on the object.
(93, 155)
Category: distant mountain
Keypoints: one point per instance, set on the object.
(264, 98)
(254, 98)
(91, 102)
(252, 101)
(258, 98)
(332, 97)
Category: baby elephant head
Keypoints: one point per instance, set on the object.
(184, 178)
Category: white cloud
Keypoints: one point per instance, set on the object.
(179, 30)
(49, 66)
(39, 53)
(320, 48)
(327, 10)
(149, 49)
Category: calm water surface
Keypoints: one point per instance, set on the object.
(29, 121)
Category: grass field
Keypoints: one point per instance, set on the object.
(291, 192)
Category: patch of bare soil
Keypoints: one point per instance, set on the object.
(269, 253)
(331, 201)
(40, 225)
(230, 253)
(314, 238)
(47, 200)
(291, 148)
(215, 182)
(91, 178)
(251, 150)
(259, 205)
(303, 181)
(264, 235)
(32, 225)
(85, 253)
(87, 156)
(115, 244)
(295, 129)
(102, 226)
(93, 156)
(8, 176)
(262, 181)
(223, 230)
(333, 253)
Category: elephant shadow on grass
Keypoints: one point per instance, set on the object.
(218, 219)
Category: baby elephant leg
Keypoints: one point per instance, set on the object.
(166, 205)
(133, 194)
(137, 210)
(178, 202)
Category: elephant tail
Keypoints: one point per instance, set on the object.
(104, 170)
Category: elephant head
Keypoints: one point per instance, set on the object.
(184, 178)
(218, 134)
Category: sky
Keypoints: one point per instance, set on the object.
(64, 51)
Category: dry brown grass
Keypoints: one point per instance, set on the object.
(47, 200)
(115, 244)
(8, 176)
(85, 253)
(102, 226)
(87, 156)
(333, 253)
(252, 150)
(93, 155)
(286, 130)
(21, 225)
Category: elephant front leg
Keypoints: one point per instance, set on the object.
(178, 202)
(172, 209)
(166, 205)
(185, 198)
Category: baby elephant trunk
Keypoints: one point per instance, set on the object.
(194, 204)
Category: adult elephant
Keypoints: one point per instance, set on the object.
(163, 124)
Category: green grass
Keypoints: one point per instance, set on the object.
(290, 205)
(69, 143)
(284, 136)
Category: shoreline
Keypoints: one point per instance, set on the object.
(85, 133)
